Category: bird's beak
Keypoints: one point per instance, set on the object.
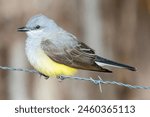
(23, 29)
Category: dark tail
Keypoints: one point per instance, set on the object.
(101, 60)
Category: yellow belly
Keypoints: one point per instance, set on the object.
(50, 68)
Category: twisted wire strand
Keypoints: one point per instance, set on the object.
(97, 82)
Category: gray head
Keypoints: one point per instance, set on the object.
(39, 25)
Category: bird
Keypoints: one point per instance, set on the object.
(53, 51)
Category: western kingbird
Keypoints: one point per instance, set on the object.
(53, 51)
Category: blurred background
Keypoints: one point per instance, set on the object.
(116, 29)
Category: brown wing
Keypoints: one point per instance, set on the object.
(78, 56)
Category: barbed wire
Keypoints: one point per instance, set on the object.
(97, 82)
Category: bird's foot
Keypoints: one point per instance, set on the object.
(60, 78)
(45, 77)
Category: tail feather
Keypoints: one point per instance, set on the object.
(102, 61)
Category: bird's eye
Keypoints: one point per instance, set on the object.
(37, 27)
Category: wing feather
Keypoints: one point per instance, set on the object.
(76, 54)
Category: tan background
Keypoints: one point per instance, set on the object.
(116, 29)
